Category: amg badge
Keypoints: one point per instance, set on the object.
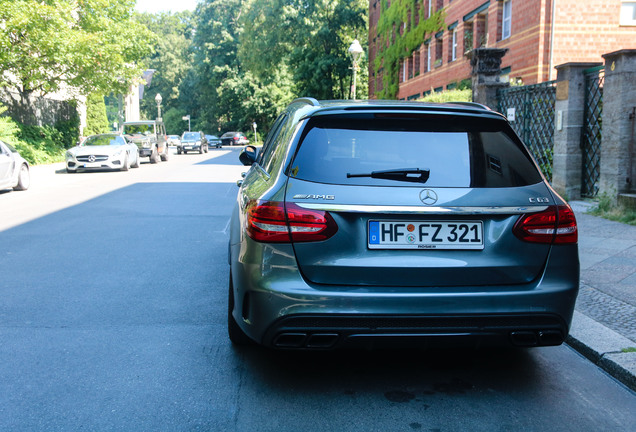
(316, 197)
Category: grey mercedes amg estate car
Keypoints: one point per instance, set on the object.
(385, 223)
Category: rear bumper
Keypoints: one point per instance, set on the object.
(277, 307)
(189, 147)
(372, 331)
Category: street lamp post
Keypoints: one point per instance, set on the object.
(255, 137)
(158, 99)
(188, 119)
(356, 51)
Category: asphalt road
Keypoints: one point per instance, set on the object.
(113, 292)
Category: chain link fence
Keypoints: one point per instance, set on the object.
(592, 127)
(530, 110)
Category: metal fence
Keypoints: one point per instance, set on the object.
(592, 128)
(530, 110)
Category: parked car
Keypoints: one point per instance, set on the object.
(213, 141)
(234, 138)
(103, 151)
(150, 138)
(193, 141)
(369, 223)
(174, 140)
(14, 169)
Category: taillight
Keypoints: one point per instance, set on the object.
(235, 138)
(556, 224)
(277, 222)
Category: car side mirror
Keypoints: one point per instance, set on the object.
(248, 155)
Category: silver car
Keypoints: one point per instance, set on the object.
(385, 223)
(103, 151)
(14, 169)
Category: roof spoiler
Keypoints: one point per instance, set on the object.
(307, 100)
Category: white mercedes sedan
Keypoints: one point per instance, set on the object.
(14, 169)
(104, 151)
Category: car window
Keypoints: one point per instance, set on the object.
(277, 148)
(265, 153)
(457, 152)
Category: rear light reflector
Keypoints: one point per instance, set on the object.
(277, 222)
(556, 224)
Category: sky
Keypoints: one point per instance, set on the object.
(154, 6)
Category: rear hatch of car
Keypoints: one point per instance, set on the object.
(417, 200)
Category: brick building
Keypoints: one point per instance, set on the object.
(539, 34)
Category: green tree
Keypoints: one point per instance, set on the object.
(171, 59)
(96, 120)
(309, 39)
(87, 45)
(215, 46)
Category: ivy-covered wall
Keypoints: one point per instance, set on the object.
(401, 41)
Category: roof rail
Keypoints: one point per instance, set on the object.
(472, 104)
(307, 100)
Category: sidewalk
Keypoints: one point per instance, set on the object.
(604, 324)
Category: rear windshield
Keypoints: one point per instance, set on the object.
(457, 151)
(146, 129)
(191, 136)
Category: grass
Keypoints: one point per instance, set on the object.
(629, 350)
(607, 208)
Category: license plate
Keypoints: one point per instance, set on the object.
(425, 235)
(93, 165)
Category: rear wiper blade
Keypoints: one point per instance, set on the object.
(403, 174)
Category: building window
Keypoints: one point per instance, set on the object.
(401, 73)
(628, 13)
(417, 14)
(504, 76)
(438, 52)
(506, 19)
(454, 45)
(413, 96)
(428, 57)
(430, 8)
(468, 36)
(416, 62)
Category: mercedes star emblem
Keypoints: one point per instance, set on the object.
(428, 196)
(91, 158)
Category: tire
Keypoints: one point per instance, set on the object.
(136, 164)
(185, 152)
(165, 155)
(178, 151)
(125, 166)
(237, 336)
(154, 156)
(24, 179)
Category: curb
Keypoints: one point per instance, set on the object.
(603, 347)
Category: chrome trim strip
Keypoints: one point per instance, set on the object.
(419, 209)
